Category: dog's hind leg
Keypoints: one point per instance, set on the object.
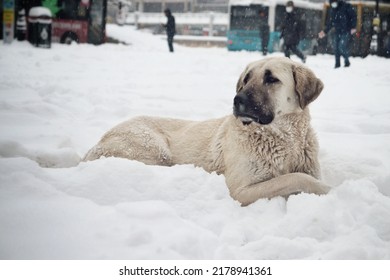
(146, 145)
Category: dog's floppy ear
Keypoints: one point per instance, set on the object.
(307, 85)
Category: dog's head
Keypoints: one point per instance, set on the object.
(273, 87)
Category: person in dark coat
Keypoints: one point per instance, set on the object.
(293, 29)
(343, 20)
(170, 28)
(264, 31)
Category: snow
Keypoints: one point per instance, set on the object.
(56, 103)
(39, 12)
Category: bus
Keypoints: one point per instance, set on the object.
(372, 33)
(243, 29)
(81, 21)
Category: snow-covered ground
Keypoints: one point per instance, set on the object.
(56, 103)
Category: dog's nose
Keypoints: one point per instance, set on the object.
(239, 102)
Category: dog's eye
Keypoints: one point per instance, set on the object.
(246, 78)
(269, 79)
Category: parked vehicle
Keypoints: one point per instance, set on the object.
(243, 29)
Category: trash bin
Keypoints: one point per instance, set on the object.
(39, 27)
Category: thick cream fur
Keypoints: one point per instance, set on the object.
(258, 161)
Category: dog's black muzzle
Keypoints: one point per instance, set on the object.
(247, 111)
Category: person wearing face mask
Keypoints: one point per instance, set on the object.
(293, 29)
(343, 20)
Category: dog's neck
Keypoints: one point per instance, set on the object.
(298, 121)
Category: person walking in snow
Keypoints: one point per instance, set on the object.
(264, 31)
(343, 20)
(170, 28)
(293, 29)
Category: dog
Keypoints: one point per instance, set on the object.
(266, 148)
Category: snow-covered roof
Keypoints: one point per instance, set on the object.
(297, 3)
(39, 12)
(181, 18)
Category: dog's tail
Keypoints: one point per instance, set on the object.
(56, 158)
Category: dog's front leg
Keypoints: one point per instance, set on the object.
(284, 185)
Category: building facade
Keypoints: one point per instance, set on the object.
(181, 6)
